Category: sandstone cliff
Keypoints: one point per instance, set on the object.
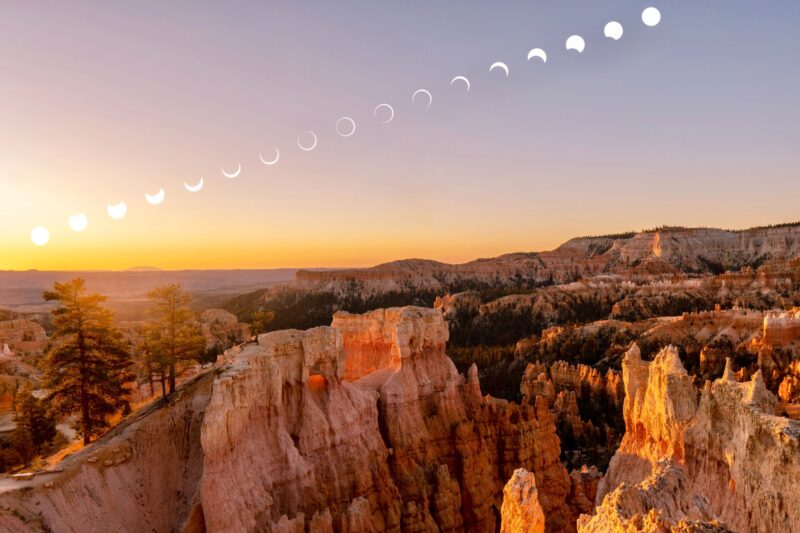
(664, 251)
(721, 455)
(291, 435)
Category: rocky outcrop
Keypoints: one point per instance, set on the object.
(288, 436)
(23, 336)
(658, 504)
(521, 512)
(728, 456)
(222, 329)
(782, 328)
(583, 491)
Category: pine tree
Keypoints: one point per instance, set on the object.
(35, 425)
(89, 365)
(260, 321)
(173, 331)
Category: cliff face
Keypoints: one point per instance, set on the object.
(665, 251)
(721, 456)
(142, 476)
(291, 435)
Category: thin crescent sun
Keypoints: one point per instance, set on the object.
(271, 161)
(384, 106)
(308, 148)
(460, 78)
(194, 188)
(499, 64)
(234, 174)
(426, 92)
(538, 52)
(155, 199)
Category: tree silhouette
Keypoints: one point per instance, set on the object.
(173, 332)
(88, 366)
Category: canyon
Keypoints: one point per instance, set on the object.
(293, 434)
(639, 382)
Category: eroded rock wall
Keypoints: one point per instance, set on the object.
(287, 436)
(735, 461)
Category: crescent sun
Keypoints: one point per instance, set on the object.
(426, 92)
(384, 106)
(155, 199)
(500, 65)
(308, 148)
(234, 174)
(460, 78)
(273, 160)
(538, 52)
(194, 188)
(117, 211)
(576, 42)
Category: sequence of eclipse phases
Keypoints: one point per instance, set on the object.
(384, 113)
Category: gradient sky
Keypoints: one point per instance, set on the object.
(695, 122)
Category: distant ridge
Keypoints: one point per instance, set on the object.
(144, 269)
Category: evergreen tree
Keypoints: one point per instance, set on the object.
(36, 426)
(88, 366)
(173, 332)
(261, 319)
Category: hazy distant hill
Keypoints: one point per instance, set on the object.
(22, 291)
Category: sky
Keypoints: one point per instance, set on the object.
(695, 122)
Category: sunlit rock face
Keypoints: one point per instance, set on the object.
(221, 329)
(721, 455)
(658, 504)
(522, 512)
(289, 436)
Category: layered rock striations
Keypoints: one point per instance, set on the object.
(720, 456)
(290, 435)
(660, 252)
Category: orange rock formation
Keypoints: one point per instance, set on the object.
(722, 456)
(290, 436)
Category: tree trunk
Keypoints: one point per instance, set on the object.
(87, 423)
(164, 386)
(86, 420)
(171, 378)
